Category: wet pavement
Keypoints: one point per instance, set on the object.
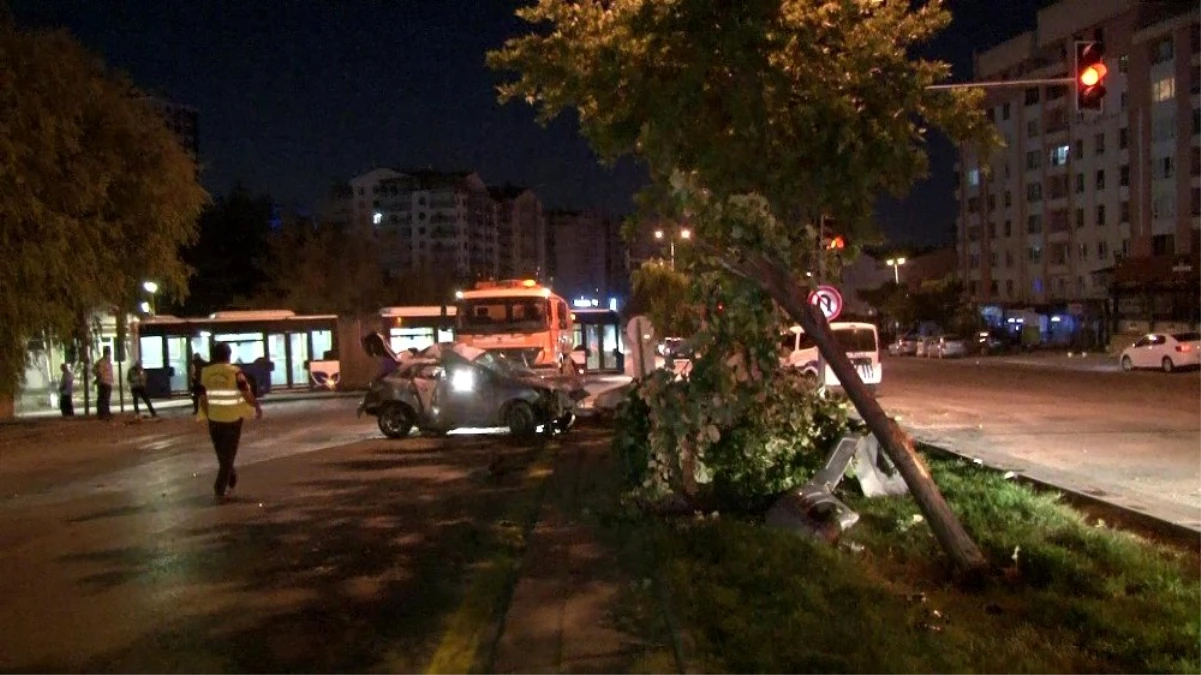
(343, 551)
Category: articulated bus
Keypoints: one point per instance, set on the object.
(523, 320)
(279, 349)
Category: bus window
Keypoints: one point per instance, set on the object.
(564, 316)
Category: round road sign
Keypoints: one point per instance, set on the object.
(828, 300)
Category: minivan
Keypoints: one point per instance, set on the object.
(860, 340)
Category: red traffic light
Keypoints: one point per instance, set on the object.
(836, 243)
(1090, 76)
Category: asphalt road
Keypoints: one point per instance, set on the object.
(343, 552)
(1130, 438)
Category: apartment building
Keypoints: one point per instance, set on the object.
(590, 259)
(521, 233)
(1044, 221)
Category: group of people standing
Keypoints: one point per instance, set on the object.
(103, 371)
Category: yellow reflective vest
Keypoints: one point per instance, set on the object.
(226, 403)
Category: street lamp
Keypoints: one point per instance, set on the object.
(151, 288)
(684, 233)
(895, 264)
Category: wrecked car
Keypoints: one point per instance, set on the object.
(447, 387)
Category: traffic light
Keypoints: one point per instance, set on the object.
(836, 243)
(1090, 76)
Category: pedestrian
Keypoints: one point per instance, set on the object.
(226, 399)
(137, 386)
(66, 389)
(104, 384)
(194, 381)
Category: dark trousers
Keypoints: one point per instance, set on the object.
(104, 395)
(140, 392)
(195, 397)
(66, 405)
(225, 437)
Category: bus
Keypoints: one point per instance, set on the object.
(521, 319)
(417, 327)
(278, 348)
(861, 341)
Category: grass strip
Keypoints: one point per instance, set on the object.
(469, 640)
(1069, 595)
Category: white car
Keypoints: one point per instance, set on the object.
(1167, 351)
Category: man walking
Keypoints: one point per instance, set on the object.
(137, 386)
(66, 389)
(104, 384)
(225, 400)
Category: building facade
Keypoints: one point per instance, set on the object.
(590, 256)
(521, 233)
(1044, 221)
(453, 227)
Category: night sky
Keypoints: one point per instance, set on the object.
(294, 95)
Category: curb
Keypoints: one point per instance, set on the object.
(468, 645)
(1127, 518)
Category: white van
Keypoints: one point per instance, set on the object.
(860, 340)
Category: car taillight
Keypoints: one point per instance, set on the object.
(1184, 348)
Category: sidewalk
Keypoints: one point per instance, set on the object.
(558, 620)
(181, 402)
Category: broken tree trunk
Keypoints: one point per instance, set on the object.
(787, 292)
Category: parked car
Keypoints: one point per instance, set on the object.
(450, 387)
(905, 345)
(947, 346)
(925, 346)
(1166, 351)
(991, 342)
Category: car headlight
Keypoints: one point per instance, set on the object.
(462, 380)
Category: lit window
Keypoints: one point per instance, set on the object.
(1059, 155)
(973, 177)
(1163, 89)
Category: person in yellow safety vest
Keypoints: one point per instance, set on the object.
(225, 400)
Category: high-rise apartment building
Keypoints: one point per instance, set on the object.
(1043, 222)
(521, 233)
(450, 226)
(590, 259)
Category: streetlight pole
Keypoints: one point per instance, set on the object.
(895, 264)
(151, 288)
(684, 233)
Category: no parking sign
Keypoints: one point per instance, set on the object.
(828, 300)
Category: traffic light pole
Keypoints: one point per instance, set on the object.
(998, 84)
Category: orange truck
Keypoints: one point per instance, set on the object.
(521, 319)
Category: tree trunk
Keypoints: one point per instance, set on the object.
(787, 292)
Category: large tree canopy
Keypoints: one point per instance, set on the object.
(817, 105)
(757, 119)
(96, 195)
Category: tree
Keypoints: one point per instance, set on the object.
(96, 195)
(764, 116)
(322, 269)
(227, 257)
(659, 292)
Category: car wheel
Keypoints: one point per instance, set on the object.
(1167, 364)
(395, 420)
(519, 417)
(1127, 364)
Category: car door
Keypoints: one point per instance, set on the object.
(1156, 351)
(1142, 355)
